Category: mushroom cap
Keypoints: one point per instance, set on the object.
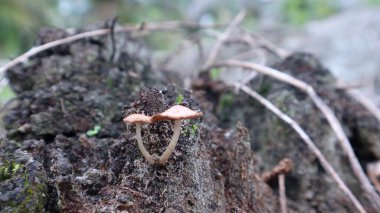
(138, 118)
(176, 112)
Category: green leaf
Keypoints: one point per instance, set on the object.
(94, 131)
(16, 167)
(179, 99)
(214, 74)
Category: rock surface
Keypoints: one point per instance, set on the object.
(67, 149)
(309, 187)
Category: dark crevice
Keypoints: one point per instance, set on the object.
(362, 152)
(52, 199)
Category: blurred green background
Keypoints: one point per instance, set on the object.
(20, 20)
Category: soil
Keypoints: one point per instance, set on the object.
(67, 149)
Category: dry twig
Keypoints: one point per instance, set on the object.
(328, 113)
(325, 164)
(283, 167)
(223, 37)
(348, 87)
(264, 43)
(163, 26)
(49, 45)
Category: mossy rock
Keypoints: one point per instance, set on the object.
(24, 187)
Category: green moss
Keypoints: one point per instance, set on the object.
(33, 196)
(35, 199)
(179, 99)
(214, 74)
(298, 12)
(226, 100)
(225, 105)
(280, 102)
(8, 169)
(16, 167)
(194, 129)
(264, 89)
(190, 130)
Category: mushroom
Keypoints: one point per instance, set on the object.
(139, 119)
(176, 113)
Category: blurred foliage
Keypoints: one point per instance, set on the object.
(373, 2)
(214, 74)
(164, 41)
(298, 12)
(6, 94)
(150, 10)
(19, 21)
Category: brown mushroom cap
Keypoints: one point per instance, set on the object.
(138, 118)
(176, 112)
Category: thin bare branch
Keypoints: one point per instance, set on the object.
(49, 45)
(348, 87)
(223, 37)
(140, 29)
(283, 167)
(328, 113)
(264, 43)
(325, 164)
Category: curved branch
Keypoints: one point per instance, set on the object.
(328, 113)
(325, 164)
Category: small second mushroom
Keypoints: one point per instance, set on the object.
(139, 119)
(176, 113)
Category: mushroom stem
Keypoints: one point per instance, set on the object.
(144, 152)
(173, 142)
